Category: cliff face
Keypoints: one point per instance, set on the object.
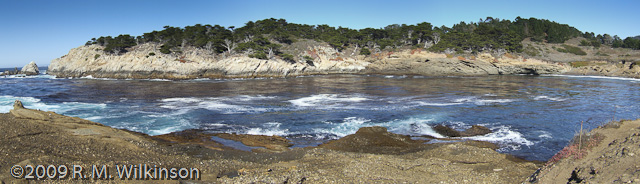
(146, 61)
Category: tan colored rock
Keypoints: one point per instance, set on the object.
(30, 69)
(193, 63)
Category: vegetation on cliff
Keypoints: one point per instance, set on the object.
(263, 39)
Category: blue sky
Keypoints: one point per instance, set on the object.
(43, 30)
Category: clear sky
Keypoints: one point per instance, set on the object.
(43, 30)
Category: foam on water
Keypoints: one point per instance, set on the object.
(596, 77)
(93, 78)
(270, 129)
(542, 97)
(435, 104)
(505, 137)
(328, 101)
(481, 101)
(223, 105)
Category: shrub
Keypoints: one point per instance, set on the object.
(585, 43)
(96, 56)
(165, 49)
(258, 55)
(287, 57)
(595, 43)
(531, 51)
(577, 64)
(152, 53)
(578, 148)
(572, 50)
(365, 51)
(601, 54)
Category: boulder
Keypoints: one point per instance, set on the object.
(375, 140)
(475, 130)
(450, 132)
(30, 69)
(446, 131)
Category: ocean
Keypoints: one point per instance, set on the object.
(531, 117)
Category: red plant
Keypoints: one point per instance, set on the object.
(575, 150)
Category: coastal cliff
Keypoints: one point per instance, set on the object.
(145, 61)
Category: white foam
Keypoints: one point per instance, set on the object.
(478, 101)
(328, 101)
(93, 78)
(542, 97)
(507, 138)
(6, 104)
(413, 126)
(596, 77)
(435, 104)
(223, 105)
(269, 129)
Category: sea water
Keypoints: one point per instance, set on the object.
(531, 116)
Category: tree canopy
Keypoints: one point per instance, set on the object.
(264, 38)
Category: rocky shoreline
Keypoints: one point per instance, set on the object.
(146, 62)
(371, 155)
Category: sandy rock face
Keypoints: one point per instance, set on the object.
(30, 69)
(146, 61)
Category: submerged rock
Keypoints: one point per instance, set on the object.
(30, 69)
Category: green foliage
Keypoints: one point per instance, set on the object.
(577, 64)
(540, 30)
(365, 51)
(288, 57)
(266, 35)
(572, 50)
(96, 56)
(531, 51)
(596, 43)
(585, 43)
(258, 55)
(307, 58)
(632, 43)
(165, 49)
(152, 53)
(117, 44)
(601, 54)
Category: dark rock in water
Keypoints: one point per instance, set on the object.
(375, 140)
(446, 131)
(475, 130)
(450, 132)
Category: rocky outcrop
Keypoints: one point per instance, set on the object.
(30, 69)
(608, 154)
(375, 140)
(450, 132)
(430, 64)
(615, 69)
(146, 61)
